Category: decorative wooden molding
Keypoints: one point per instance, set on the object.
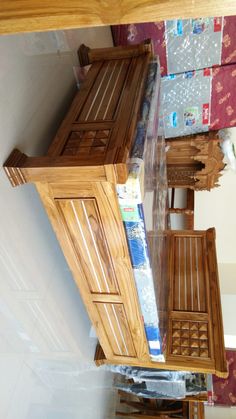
(33, 15)
(12, 168)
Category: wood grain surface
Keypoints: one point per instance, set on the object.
(78, 191)
(34, 15)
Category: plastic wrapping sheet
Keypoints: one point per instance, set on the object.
(193, 44)
(154, 383)
(131, 197)
(186, 102)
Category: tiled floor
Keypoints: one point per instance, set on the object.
(46, 354)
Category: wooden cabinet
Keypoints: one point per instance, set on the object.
(194, 162)
(77, 182)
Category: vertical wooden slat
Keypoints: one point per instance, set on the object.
(188, 273)
(115, 322)
(122, 137)
(95, 94)
(185, 273)
(176, 285)
(113, 92)
(191, 271)
(86, 231)
(182, 274)
(202, 278)
(101, 248)
(123, 327)
(99, 107)
(195, 275)
(106, 93)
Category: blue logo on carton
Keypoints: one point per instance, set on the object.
(178, 27)
(170, 77)
(189, 74)
(173, 119)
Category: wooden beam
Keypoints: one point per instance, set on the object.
(36, 15)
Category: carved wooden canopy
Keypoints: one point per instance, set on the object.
(194, 161)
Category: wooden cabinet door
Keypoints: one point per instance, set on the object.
(87, 221)
(195, 330)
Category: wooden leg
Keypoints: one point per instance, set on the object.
(99, 356)
(151, 409)
(83, 55)
(142, 416)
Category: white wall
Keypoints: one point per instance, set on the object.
(217, 208)
(220, 413)
(227, 274)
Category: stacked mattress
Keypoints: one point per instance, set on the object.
(198, 101)
(185, 44)
(139, 200)
(198, 65)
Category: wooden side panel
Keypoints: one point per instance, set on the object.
(114, 318)
(191, 334)
(216, 312)
(82, 218)
(87, 221)
(102, 119)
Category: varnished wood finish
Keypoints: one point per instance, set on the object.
(88, 56)
(95, 128)
(145, 408)
(195, 161)
(76, 181)
(195, 339)
(33, 15)
(194, 301)
(196, 410)
(187, 211)
(91, 235)
(77, 188)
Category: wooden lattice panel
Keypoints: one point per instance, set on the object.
(180, 176)
(190, 338)
(87, 143)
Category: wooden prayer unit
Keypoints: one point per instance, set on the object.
(77, 180)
